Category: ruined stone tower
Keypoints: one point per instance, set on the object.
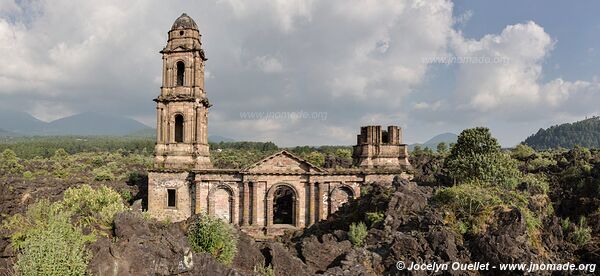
(377, 148)
(182, 106)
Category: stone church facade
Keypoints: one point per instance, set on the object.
(277, 193)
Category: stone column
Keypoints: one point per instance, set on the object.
(158, 123)
(246, 208)
(311, 204)
(199, 194)
(321, 211)
(254, 206)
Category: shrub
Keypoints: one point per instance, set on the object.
(477, 156)
(27, 175)
(565, 224)
(213, 236)
(582, 233)
(468, 200)
(536, 184)
(135, 177)
(103, 174)
(126, 195)
(263, 270)
(9, 163)
(46, 242)
(522, 152)
(357, 233)
(540, 163)
(94, 205)
(374, 218)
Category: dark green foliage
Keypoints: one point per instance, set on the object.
(488, 179)
(585, 133)
(442, 148)
(237, 158)
(44, 146)
(374, 217)
(213, 236)
(254, 146)
(477, 156)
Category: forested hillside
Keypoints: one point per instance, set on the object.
(585, 133)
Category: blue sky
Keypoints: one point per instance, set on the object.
(575, 26)
(359, 62)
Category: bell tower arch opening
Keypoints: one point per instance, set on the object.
(180, 73)
(178, 128)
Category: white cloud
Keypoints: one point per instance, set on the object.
(488, 87)
(359, 60)
(268, 64)
(282, 13)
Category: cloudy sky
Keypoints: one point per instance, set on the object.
(514, 66)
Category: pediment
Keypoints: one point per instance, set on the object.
(283, 162)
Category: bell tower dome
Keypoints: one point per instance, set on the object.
(182, 106)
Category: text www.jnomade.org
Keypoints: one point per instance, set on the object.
(478, 266)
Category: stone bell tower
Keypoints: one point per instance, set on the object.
(182, 106)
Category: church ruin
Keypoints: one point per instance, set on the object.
(277, 193)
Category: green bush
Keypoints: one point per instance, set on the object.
(357, 233)
(477, 156)
(126, 195)
(536, 184)
(93, 205)
(263, 270)
(522, 152)
(103, 174)
(582, 233)
(471, 203)
(9, 163)
(27, 175)
(565, 223)
(46, 242)
(213, 236)
(374, 218)
(540, 163)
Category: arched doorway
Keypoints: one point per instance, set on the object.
(339, 197)
(284, 201)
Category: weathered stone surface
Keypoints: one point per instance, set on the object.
(321, 255)
(142, 248)
(283, 263)
(506, 241)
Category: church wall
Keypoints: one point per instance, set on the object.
(158, 184)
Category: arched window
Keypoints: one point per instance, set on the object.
(180, 73)
(178, 128)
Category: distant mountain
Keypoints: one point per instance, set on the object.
(585, 133)
(217, 139)
(19, 122)
(147, 132)
(87, 123)
(448, 138)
